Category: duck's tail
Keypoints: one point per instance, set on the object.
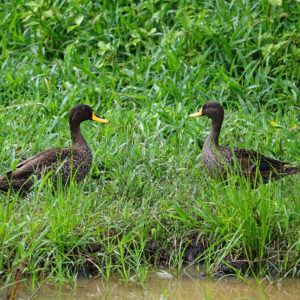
(284, 171)
(275, 173)
(290, 171)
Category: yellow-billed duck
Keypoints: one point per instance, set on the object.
(218, 160)
(65, 162)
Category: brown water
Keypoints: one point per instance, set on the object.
(163, 286)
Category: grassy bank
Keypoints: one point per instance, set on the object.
(145, 67)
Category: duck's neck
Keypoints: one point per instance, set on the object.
(213, 137)
(78, 140)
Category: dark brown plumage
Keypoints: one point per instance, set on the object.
(218, 160)
(65, 162)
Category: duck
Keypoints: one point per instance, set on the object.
(218, 160)
(62, 162)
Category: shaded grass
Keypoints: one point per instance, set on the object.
(145, 67)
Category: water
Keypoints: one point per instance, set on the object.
(163, 286)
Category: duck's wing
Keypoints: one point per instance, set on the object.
(252, 160)
(251, 163)
(39, 161)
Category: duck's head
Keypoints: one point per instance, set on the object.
(82, 112)
(211, 109)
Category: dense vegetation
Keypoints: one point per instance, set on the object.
(145, 65)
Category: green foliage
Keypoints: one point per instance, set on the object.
(145, 65)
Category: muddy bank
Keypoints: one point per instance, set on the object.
(196, 252)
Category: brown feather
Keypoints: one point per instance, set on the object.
(217, 159)
(64, 162)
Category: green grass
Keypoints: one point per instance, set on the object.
(145, 66)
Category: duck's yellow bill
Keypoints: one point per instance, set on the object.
(197, 114)
(97, 119)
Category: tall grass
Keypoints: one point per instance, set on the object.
(145, 66)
